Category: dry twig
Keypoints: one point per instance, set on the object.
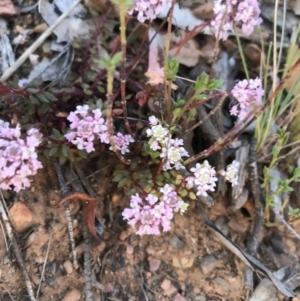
(89, 296)
(259, 218)
(65, 191)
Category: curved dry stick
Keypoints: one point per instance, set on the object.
(90, 205)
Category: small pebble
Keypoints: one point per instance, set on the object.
(208, 264)
(21, 217)
(73, 295)
(68, 266)
(175, 242)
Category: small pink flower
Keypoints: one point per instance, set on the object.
(148, 10)
(228, 13)
(18, 159)
(249, 95)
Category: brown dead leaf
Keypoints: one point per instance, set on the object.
(117, 112)
(90, 205)
(294, 54)
(155, 79)
(254, 53)
(62, 114)
(236, 226)
(189, 52)
(204, 11)
(7, 8)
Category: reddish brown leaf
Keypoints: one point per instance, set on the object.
(117, 111)
(89, 213)
(142, 98)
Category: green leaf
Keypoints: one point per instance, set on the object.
(42, 97)
(201, 82)
(192, 195)
(155, 154)
(33, 90)
(116, 59)
(160, 178)
(179, 102)
(82, 153)
(214, 84)
(166, 175)
(34, 100)
(50, 96)
(124, 182)
(118, 177)
(45, 107)
(31, 108)
(56, 133)
(172, 68)
(53, 151)
(177, 112)
(88, 92)
(62, 159)
(65, 150)
(275, 151)
(99, 104)
(192, 113)
(133, 166)
(183, 192)
(296, 173)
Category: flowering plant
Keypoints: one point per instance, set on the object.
(18, 156)
(244, 14)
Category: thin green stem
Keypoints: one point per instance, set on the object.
(242, 55)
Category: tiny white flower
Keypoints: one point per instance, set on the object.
(153, 120)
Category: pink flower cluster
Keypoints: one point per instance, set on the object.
(148, 9)
(203, 178)
(227, 12)
(151, 214)
(18, 157)
(89, 125)
(122, 142)
(172, 150)
(249, 95)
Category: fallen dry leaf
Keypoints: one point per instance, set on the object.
(188, 53)
(90, 205)
(156, 79)
(294, 54)
(7, 8)
(254, 54)
(204, 11)
(236, 226)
